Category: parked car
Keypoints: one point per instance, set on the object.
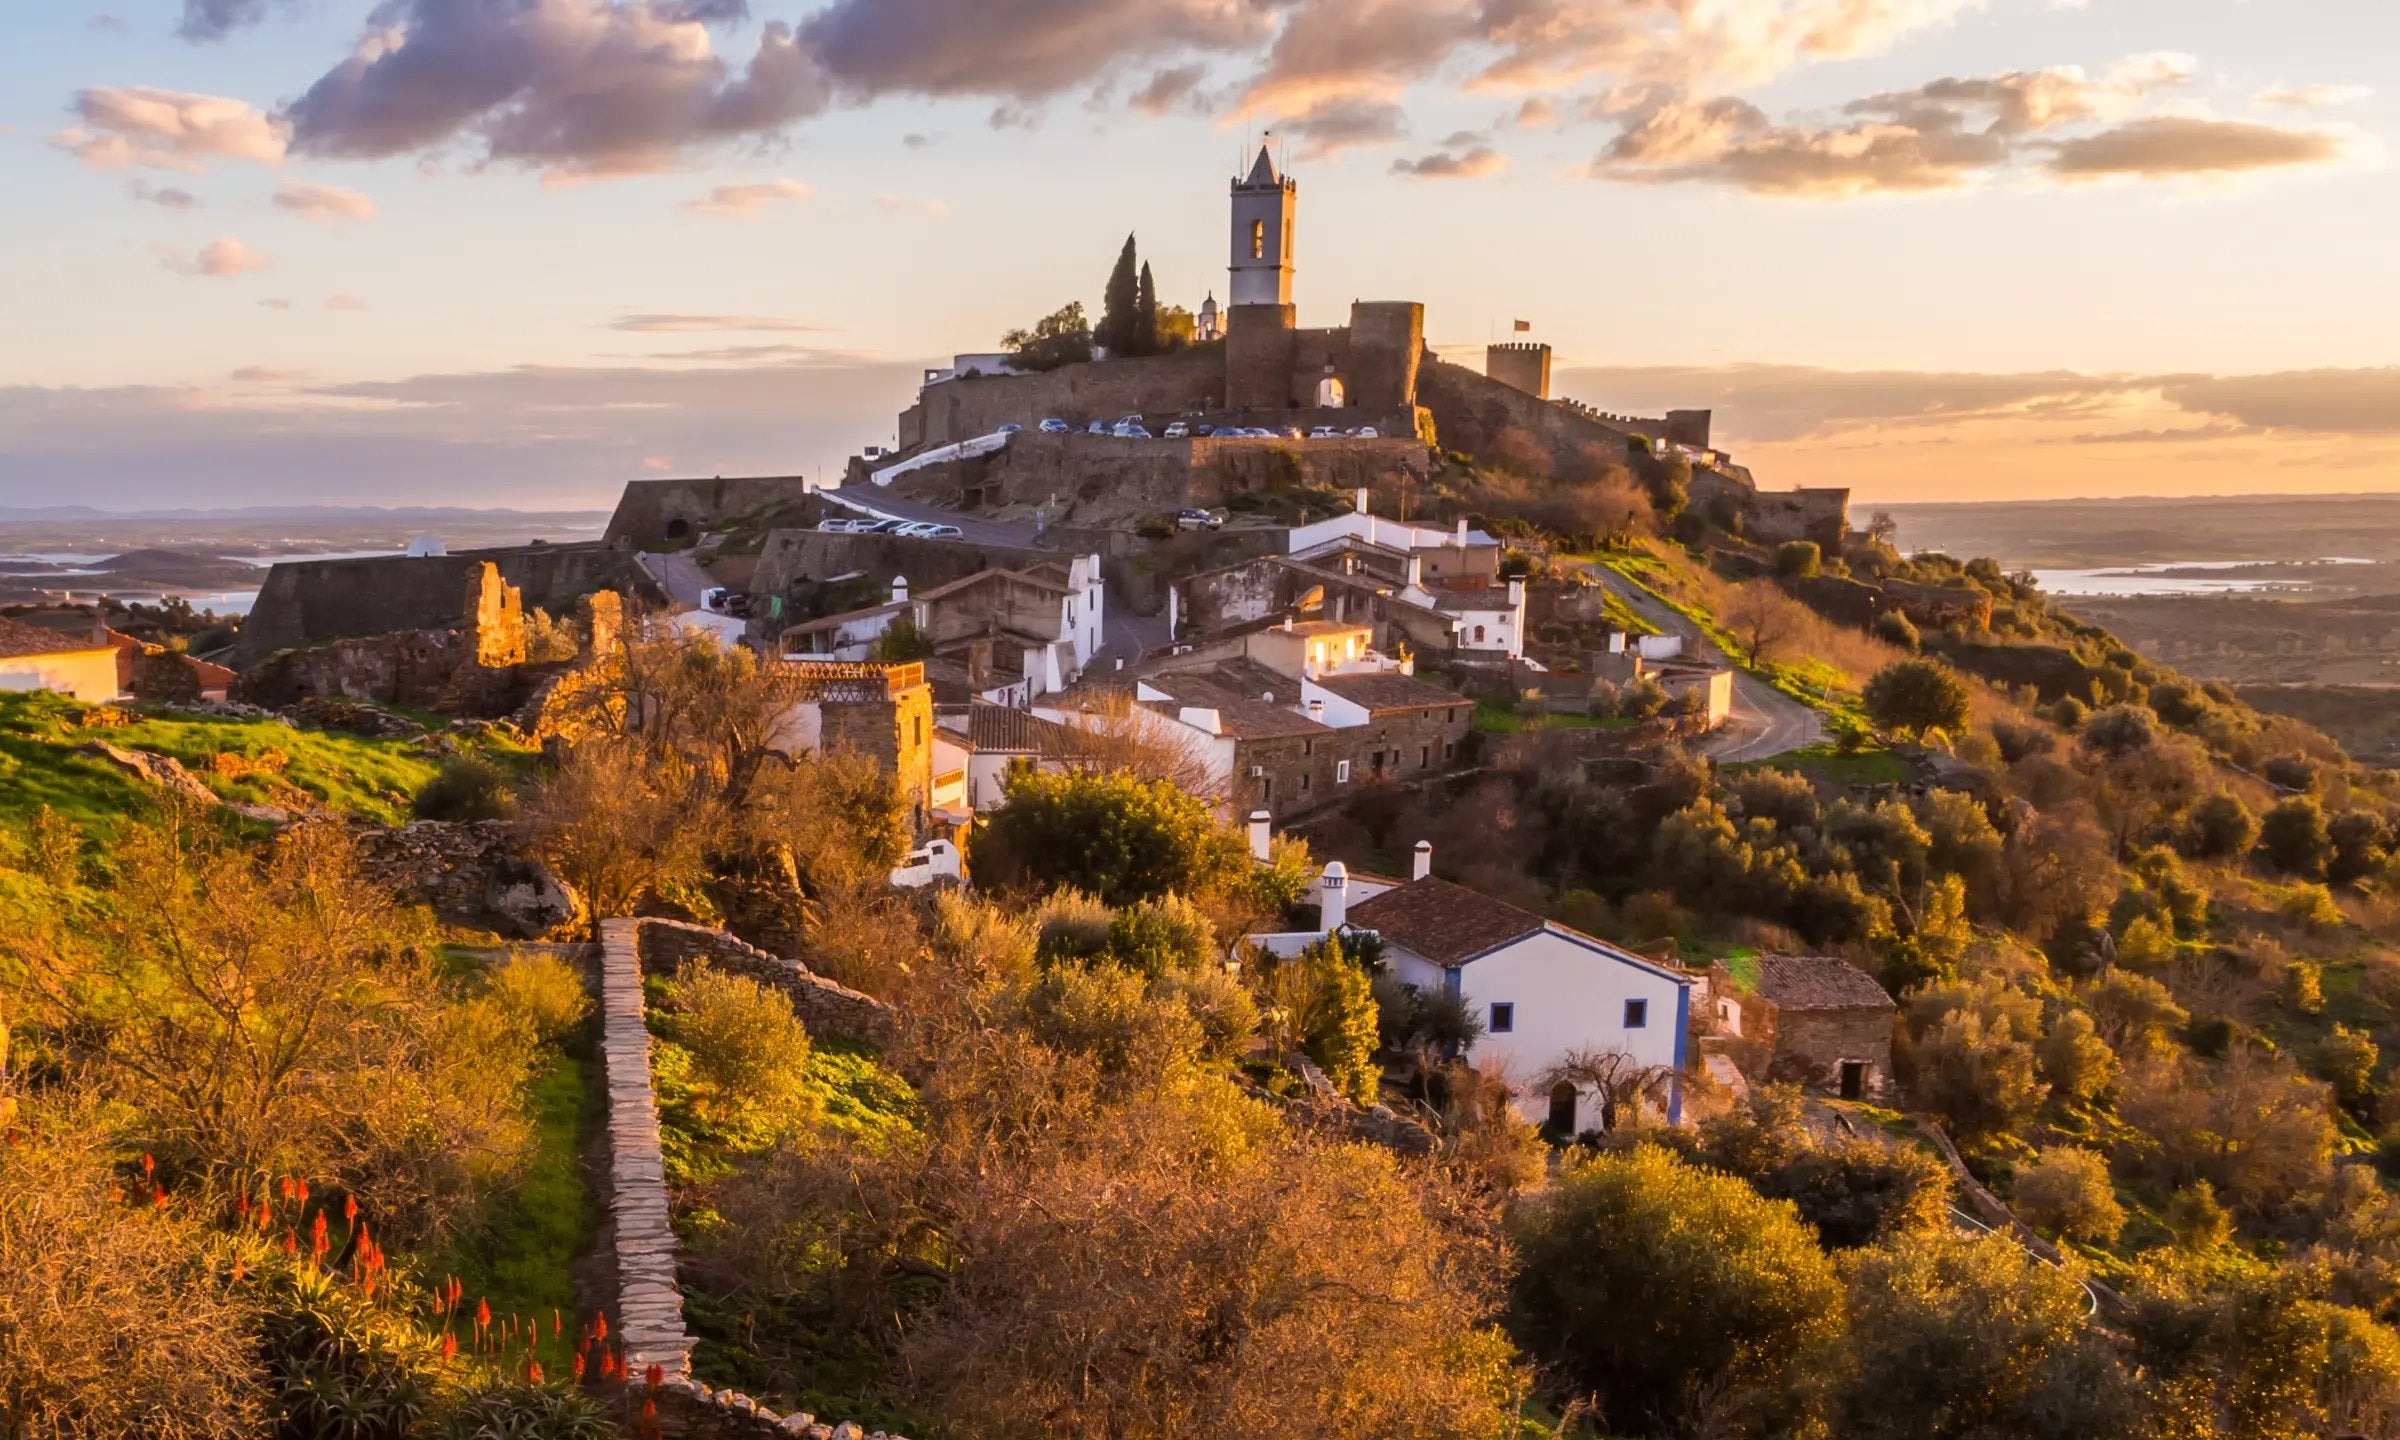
(873, 527)
(1100, 427)
(1202, 427)
(1323, 432)
(833, 527)
(1197, 519)
(1011, 428)
(1178, 430)
(875, 452)
(938, 532)
(1056, 427)
(1367, 432)
(1292, 432)
(913, 529)
(737, 605)
(713, 598)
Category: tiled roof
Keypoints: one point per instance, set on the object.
(1391, 690)
(1443, 922)
(1007, 730)
(19, 638)
(1237, 691)
(1818, 982)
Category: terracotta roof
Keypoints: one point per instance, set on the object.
(19, 638)
(1818, 982)
(1004, 729)
(1443, 922)
(1391, 690)
(1236, 690)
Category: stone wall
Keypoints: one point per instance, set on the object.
(1098, 479)
(791, 558)
(1523, 364)
(953, 410)
(1776, 516)
(826, 1008)
(309, 602)
(411, 668)
(649, 1309)
(1471, 412)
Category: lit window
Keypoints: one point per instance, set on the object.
(1637, 1014)
(1258, 239)
(1504, 1018)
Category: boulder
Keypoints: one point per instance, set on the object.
(472, 873)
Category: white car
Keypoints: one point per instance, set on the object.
(1056, 427)
(1100, 427)
(1367, 432)
(1322, 432)
(837, 526)
(1178, 430)
(939, 532)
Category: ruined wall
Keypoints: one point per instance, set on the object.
(821, 1005)
(1192, 378)
(652, 514)
(471, 874)
(1099, 479)
(896, 733)
(1811, 1046)
(1524, 365)
(308, 602)
(412, 668)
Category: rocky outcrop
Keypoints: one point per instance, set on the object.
(472, 873)
(355, 717)
(167, 774)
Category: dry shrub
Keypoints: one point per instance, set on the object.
(866, 939)
(233, 766)
(111, 1322)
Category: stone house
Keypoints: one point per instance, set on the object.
(884, 712)
(1018, 634)
(985, 741)
(1832, 1025)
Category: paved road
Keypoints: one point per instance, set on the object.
(1764, 721)
(884, 505)
(680, 576)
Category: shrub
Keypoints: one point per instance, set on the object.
(1118, 838)
(2296, 773)
(1918, 697)
(1320, 1000)
(1894, 628)
(2347, 1060)
(1114, 1017)
(2067, 1194)
(1226, 1014)
(749, 1052)
(2311, 907)
(467, 788)
(1799, 560)
(2294, 837)
(2069, 713)
(2075, 1060)
(1162, 936)
(2195, 1219)
(529, 1412)
(2120, 730)
(2220, 827)
(541, 991)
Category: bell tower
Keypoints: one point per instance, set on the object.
(1264, 206)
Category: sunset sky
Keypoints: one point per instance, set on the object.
(516, 252)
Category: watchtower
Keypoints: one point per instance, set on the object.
(1524, 365)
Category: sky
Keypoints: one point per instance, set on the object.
(517, 252)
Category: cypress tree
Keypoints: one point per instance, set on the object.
(1119, 303)
(1145, 316)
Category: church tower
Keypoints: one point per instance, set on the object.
(1264, 204)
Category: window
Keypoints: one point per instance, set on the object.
(1504, 1018)
(1424, 757)
(1637, 1014)
(1258, 239)
(1308, 747)
(1266, 789)
(1449, 750)
(1304, 778)
(1479, 634)
(1341, 772)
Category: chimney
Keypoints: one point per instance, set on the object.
(1462, 532)
(1333, 897)
(1261, 836)
(1616, 642)
(1424, 861)
(1362, 499)
(1316, 711)
(1287, 624)
(1416, 571)
(899, 588)
(1516, 593)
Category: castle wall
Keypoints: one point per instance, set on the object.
(1776, 516)
(653, 514)
(1192, 378)
(309, 602)
(1387, 345)
(1471, 412)
(1259, 347)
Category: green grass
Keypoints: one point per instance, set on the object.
(1826, 762)
(520, 1255)
(1501, 717)
(1810, 681)
(42, 763)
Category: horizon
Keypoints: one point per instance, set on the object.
(1938, 251)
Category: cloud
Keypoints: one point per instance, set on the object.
(2063, 123)
(740, 202)
(166, 197)
(902, 205)
(1535, 114)
(1339, 125)
(1019, 49)
(1470, 164)
(574, 87)
(222, 259)
(1172, 89)
(2327, 402)
(2166, 146)
(698, 324)
(344, 302)
(323, 202)
(1775, 403)
(263, 375)
(169, 129)
(915, 141)
(2311, 97)
(216, 19)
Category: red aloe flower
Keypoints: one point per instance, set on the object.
(655, 1376)
(286, 1187)
(366, 1287)
(449, 1346)
(158, 1196)
(291, 1243)
(579, 1366)
(148, 1165)
(483, 1312)
(350, 1209)
(300, 1191)
(533, 1372)
(241, 1207)
(600, 1325)
(266, 1222)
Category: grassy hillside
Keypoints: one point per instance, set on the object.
(43, 761)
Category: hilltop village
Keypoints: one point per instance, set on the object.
(1241, 878)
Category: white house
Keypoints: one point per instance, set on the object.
(1026, 633)
(32, 658)
(1542, 991)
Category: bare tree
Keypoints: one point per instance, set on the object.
(1622, 1084)
(1763, 620)
(1118, 734)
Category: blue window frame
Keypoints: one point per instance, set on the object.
(1637, 1014)
(1504, 1017)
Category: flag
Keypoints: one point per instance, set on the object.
(1523, 326)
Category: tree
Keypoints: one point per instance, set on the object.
(2360, 846)
(2075, 1060)
(749, 1053)
(1120, 305)
(1145, 315)
(1619, 508)
(2067, 1194)
(1176, 327)
(1970, 1058)
(1799, 560)
(1958, 1338)
(1321, 1001)
(1062, 337)
(1734, 1296)
(2119, 730)
(2295, 839)
(1112, 836)
(1918, 697)
(614, 825)
(2220, 827)
(1763, 620)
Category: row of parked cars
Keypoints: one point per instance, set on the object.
(1131, 427)
(905, 529)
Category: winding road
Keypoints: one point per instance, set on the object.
(1764, 722)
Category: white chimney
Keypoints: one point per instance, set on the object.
(1287, 624)
(1261, 836)
(1333, 897)
(1516, 593)
(1316, 710)
(1462, 532)
(899, 588)
(1362, 499)
(1616, 642)
(1424, 861)
(1416, 571)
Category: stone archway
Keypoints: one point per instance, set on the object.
(1330, 394)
